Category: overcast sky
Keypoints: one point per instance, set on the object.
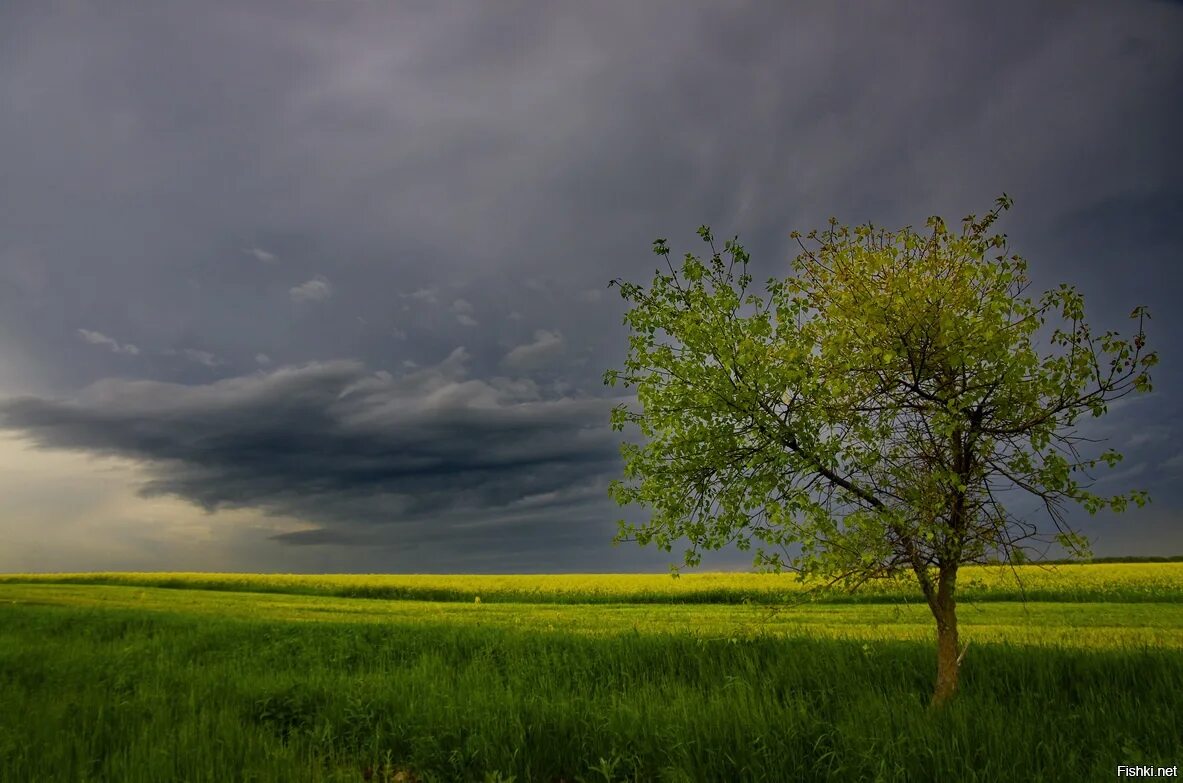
(322, 286)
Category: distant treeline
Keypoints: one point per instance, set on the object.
(1125, 559)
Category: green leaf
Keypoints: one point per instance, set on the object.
(866, 407)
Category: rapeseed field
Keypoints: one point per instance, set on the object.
(1124, 582)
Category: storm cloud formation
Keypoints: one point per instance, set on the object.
(242, 243)
(427, 456)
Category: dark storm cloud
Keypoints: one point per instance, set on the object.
(224, 186)
(418, 459)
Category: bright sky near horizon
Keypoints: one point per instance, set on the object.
(306, 286)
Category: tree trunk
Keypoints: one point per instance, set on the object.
(944, 609)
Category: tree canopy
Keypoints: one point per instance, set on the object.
(883, 409)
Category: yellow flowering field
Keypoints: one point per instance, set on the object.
(1109, 582)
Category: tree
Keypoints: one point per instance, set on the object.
(874, 415)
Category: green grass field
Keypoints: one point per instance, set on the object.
(728, 677)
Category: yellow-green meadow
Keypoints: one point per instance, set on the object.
(1126, 582)
(710, 676)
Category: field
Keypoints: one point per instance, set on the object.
(163, 677)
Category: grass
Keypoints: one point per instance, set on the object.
(1094, 626)
(127, 682)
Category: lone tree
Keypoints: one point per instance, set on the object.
(878, 413)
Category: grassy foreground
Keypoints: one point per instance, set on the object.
(125, 682)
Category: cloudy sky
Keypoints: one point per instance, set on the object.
(322, 286)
